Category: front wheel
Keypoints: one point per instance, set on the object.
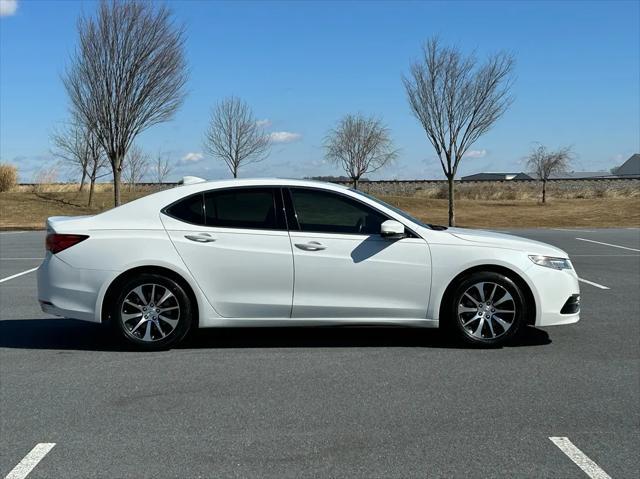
(487, 309)
(152, 312)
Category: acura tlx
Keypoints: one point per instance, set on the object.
(294, 253)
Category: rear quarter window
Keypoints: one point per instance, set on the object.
(189, 210)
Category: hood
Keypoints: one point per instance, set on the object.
(502, 240)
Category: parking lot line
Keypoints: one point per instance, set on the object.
(601, 286)
(16, 275)
(589, 467)
(609, 244)
(30, 461)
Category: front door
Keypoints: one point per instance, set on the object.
(345, 269)
(235, 244)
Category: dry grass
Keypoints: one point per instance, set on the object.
(26, 208)
(602, 212)
(532, 191)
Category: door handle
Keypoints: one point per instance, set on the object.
(200, 238)
(311, 246)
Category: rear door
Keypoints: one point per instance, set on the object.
(345, 269)
(235, 244)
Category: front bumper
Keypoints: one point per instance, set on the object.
(553, 290)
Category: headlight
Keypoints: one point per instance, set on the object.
(551, 262)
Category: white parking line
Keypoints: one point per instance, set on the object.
(609, 244)
(574, 230)
(593, 284)
(30, 461)
(12, 232)
(589, 467)
(18, 274)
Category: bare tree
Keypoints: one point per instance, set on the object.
(235, 136)
(161, 168)
(544, 163)
(80, 147)
(70, 146)
(136, 166)
(359, 145)
(127, 74)
(457, 100)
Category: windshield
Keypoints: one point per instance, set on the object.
(393, 208)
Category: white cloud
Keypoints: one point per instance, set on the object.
(8, 7)
(475, 154)
(266, 123)
(284, 136)
(192, 157)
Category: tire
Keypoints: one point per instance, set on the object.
(487, 309)
(152, 312)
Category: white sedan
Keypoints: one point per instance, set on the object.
(290, 252)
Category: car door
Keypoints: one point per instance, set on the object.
(235, 244)
(345, 269)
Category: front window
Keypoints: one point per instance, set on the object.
(325, 212)
(404, 214)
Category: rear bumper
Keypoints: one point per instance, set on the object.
(67, 291)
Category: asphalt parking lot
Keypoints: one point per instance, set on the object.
(327, 402)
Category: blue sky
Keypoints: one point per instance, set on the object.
(302, 65)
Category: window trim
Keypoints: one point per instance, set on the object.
(281, 222)
(410, 233)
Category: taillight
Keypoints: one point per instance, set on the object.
(57, 242)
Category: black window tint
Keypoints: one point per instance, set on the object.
(325, 212)
(188, 210)
(241, 208)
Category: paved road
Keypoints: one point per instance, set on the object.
(327, 402)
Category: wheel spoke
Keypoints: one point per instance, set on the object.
(153, 294)
(157, 325)
(504, 311)
(475, 301)
(167, 294)
(128, 317)
(493, 291)
(140, 323)
(480, 288)
(493, 334)
(137, 306)
(506, 297)
(172, 322)
(478, 332)
(475, 318)
(162, 310)
(140, 294)
(466, 309)
(502, 322)
(147, 333)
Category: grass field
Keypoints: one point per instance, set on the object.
(28, 209)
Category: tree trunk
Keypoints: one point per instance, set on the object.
(84, 177)
(355, 183)
(91, 188)
(235, 173)
(544, 191)
(116, 185)
(452, 215)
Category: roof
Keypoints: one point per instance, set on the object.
(631, 167)
(497, 177)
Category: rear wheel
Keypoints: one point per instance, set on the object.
(152, 312)
(487, 308)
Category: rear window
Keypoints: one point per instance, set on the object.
(189, 210)
(253, 208)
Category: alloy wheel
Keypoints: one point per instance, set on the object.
(486, 310)
(150, 312)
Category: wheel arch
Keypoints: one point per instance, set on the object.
(494, 268)
(112, 289)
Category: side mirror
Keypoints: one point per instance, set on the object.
(392, 229)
